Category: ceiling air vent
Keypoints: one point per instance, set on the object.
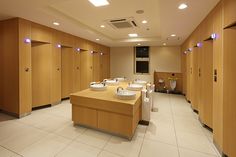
(122, 23)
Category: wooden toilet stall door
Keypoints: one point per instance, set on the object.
(86, 75)
(206, 106)
(67, 65)
(41, 66)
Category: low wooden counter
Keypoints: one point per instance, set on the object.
(104, 111)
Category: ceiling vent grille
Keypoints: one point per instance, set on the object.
(122, 23)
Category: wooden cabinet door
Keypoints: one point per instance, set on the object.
(77, 69)
(41, 61)
(229, 12)
(229, 107)
(67, 66)
(207, 84)
(86, 69)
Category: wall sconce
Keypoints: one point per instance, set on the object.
(58, 46)
(190, 49)
(214, 36)
(185, 52)
(78, 49)
(101, 54)
(199, 44)
(27, 40)
(91, 52)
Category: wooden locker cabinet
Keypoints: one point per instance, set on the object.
(229, 108)
(229, 12)
(55, 80)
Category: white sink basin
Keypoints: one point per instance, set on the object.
(125, 95)
(142, 82)
(98, 87)
(120, 79)
(135, 87)
(112, 82)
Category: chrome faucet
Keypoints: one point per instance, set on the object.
(118, 89)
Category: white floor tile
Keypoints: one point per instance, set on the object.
(195, 142)
(70, 131)
(190, 153)
(77, 149)
(108, 154)
(50, 131)
(161, 132)
(157, 149)
(124, 147)
(5, 153)
(20, 140)
(94, 138)
(46, 147)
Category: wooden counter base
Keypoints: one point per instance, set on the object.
(115, 116)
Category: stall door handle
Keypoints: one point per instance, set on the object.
(27, 69)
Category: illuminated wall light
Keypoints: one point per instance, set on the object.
(27, 40)
(214, 36)
(58, 46)
(91, 52)
(78, 49)
(185, 52)
(101, 54)
(199, 44)
(183, 6)
(190, 49)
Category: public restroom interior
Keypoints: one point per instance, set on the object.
(54, 53)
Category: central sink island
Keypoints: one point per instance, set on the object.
(102, 110)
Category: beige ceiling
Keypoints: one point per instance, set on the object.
(81, 18)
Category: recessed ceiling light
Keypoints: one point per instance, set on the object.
(164, 44)
(183, 6)
(97, 39)
(56, 23)
(99, 3)
(102, 26)
(133, 35)
(173, 35)
(138, 44)
(144, 21)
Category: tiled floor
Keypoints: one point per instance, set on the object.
(174, 131)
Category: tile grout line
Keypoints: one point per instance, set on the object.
(142, 143)
(66, 146)
(15, 153)
(212, 145)
(172, 115)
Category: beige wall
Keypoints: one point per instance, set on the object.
(162, 59)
